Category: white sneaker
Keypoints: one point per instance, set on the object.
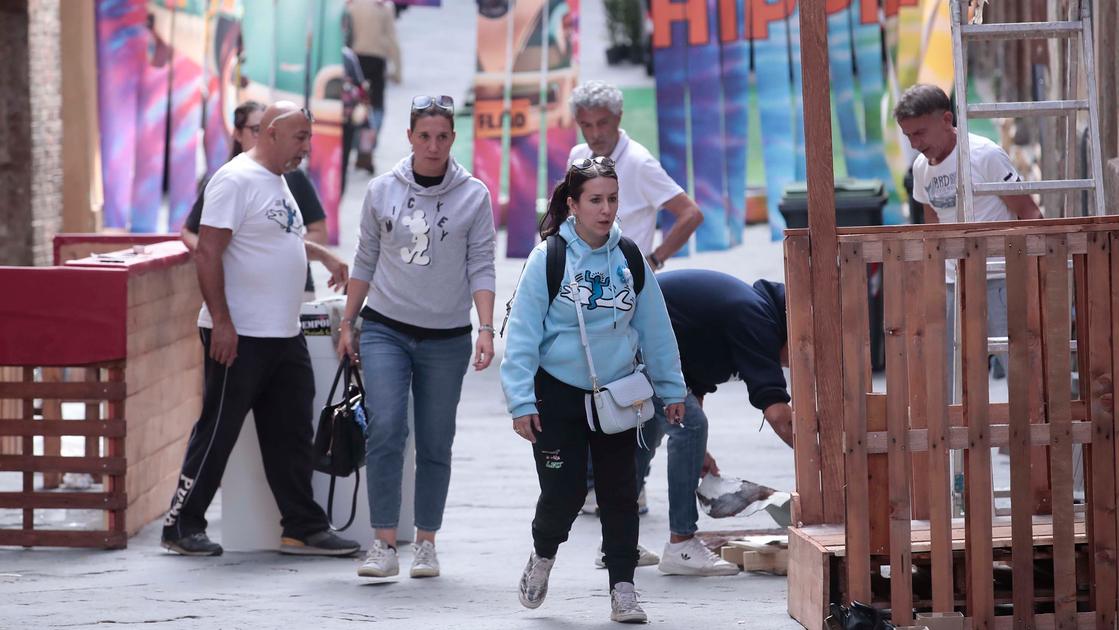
(380, 561)
(590, 504)
(645, 558)
(534, 580)
(623, 604)
(692, 557)
(424, 563)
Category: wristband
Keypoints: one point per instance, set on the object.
(486, 328)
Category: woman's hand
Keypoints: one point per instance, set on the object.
(483, 350)
(346, 346)
(523, 426)
(674, 413)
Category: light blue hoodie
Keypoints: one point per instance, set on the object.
(617, 325)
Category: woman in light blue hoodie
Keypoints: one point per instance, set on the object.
(547, 380)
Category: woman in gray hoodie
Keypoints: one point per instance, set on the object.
(425, 253)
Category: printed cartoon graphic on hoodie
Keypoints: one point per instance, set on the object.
(618, 324)
(414, 243)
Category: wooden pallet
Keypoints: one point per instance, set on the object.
(819, 560)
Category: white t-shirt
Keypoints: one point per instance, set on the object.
(935, 185)
(643, 188)
(265, 264)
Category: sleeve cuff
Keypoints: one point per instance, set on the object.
(525, 409)
(361, 273)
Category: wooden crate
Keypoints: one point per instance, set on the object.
(132, 318)
(876, 465)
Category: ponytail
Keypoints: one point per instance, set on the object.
(557, 210)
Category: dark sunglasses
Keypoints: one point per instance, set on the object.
(423, 103)
(602, 164)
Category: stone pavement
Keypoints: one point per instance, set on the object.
(486, 538)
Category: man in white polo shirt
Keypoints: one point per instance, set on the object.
(643, 186)
(252, 259)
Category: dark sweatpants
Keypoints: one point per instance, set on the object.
(561, 466)
(272, 377)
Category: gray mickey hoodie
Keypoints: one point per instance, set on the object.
(425, 251)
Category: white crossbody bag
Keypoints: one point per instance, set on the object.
(623, 404)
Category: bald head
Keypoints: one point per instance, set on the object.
(285, 137)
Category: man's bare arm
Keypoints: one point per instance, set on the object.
(212, 243)
(688, 218)
(1022, 206)
(316, 232)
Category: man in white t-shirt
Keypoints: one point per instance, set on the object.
(251, 261)
(924, 114)
(643, 185)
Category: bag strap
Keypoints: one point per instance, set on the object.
(330, 504)
(556, 262)
(343, 368)
(582, 327)
(635, 261)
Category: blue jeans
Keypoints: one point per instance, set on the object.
(687, 444)
(392, 361)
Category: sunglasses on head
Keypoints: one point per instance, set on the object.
(423, 103)
(602, 164)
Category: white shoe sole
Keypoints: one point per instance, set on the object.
(371, 572)
(424, 572)
(528, 604)
(677, 569)
(629, 617)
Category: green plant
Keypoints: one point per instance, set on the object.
(624, 21)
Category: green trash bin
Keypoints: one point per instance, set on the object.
(857, 202)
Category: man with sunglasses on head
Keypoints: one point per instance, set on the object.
(251, 258)
(644, 185)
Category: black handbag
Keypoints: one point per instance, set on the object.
(339, 448)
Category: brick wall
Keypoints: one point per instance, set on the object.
(30, 130)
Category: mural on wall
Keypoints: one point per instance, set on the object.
(533, 87)
(170, 75)
(750, 50)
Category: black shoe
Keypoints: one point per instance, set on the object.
(324, 543)
(198, 544)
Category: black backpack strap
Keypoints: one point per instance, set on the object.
(555, 263)
(635, 261)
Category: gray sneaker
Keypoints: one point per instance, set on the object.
(197, 544)
(645, 557)
(534, 580)
(623, 604)
(425, 563)
(324, 543)
(380, 561)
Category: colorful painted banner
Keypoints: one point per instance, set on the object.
(222, 79)
(512, 93)
(758, 43)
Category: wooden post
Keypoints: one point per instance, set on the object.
(824, 249)
(1107, 42)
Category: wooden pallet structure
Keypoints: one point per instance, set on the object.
(116, 335)
(873, 516)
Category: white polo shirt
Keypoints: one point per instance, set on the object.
(643, 188)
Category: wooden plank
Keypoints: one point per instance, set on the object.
(802, 366)
(114, 484)
(953, 246)
(878, 473)
(1057, 364)
(939, 477)
(41, 463)
(1063, 225)
(76, 391)
(62, 538)
(1000, 535)
(93, 418)
(1101, 401)
(52, 410)
(62, 501)
(1039, 457)
(977, 493)
(28, 449)
(957, 437)
(897, 426)
(824, 250)
(1021, 499)
(108, 428)
(809, 580)
(917, 369)
(855, 367)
